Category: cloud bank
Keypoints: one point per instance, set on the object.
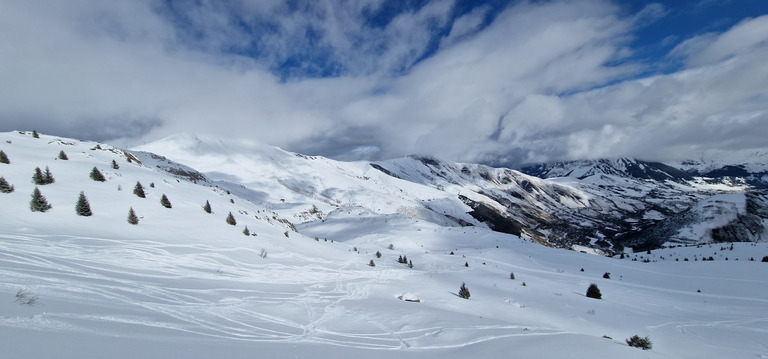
(503, 85)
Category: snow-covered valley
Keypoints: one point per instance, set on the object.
(185, 283)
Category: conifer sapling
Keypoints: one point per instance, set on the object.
(38, 177)
(48, 176)
(4, 158)
(63, 156)
(231, 219)
(96, 175)
(165, 202)
(594, 292)
(132, 218)
(38, 202)
(207, 207)
(5, 187)
(463, 291)
(83, 208)
(139, 190)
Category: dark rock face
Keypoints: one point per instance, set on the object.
(747, 227)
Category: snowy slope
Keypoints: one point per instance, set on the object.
(606, 204)
(183, 283)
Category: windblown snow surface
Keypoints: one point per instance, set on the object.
(185, 284)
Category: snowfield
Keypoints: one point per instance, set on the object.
(184, 283)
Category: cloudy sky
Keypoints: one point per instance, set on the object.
(492, 81)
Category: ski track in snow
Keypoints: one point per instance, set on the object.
(76, 269)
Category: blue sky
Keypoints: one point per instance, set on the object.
(497, 82)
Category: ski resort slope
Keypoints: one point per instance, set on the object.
(184, 283)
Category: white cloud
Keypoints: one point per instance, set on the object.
(522, 88)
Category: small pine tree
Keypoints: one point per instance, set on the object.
(139, 190)
(400, 259)
(63, 156)
(165, 202)
(405, 259)
(4, 158)
(231, 219)
(132, 218)
(115, 165)
(152, 184)
(594, 292)
(371, 263)
(96, 175)
(207, 207)
(246, 231)
(38, 202)
(38, 177)
(637, 342)
(463, 291)
(607, 275)
(512, 275)
(410, 264)
(466, 264)
(765, 259)
(5, 187)
(83, 208)
(378, 254)
(48, 176)
(35, 134)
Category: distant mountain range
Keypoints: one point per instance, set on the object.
(608, 205)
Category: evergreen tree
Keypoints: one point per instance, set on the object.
(378, 254)
(165, 202)
(38, 202)
(231, 219)
(410, 264)
(35, 134)
(5, 187)
(115, 165)
(139, 190)
(607, 275)
(466, 264)
(4, 158)
(63, 156)
(463, 291)
(637, 342)
(207, 207)
(38, 177)
(48, 177)
(400, 259)
(594, 292)
(132, 218)
(97, 176)
(246, 231)
(83, 208)
(371, 263)
(512, 275)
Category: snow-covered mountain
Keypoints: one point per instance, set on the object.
(752, 166)
(299, 283)
(597, 203)
(660, 204)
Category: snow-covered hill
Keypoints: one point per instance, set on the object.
(608, 202)
(184, 283)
